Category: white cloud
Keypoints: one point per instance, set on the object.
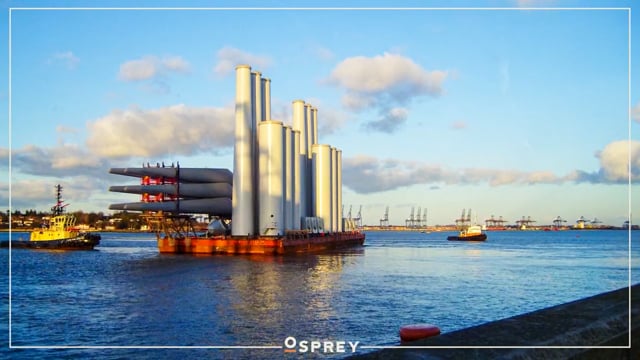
(29, 190)
(383, 175)
(616, 157)
(40, 193)
(176, 63)
(330, 120)
(635, 113)
(67, 58)
(389, 174)
(176, 130)
(229, 58)
(150, 67)
(141, 69)
(385, 83)
(387, 74)
(390, 121)
(62, 160)
(62, 129)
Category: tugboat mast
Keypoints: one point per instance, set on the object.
(58, 208)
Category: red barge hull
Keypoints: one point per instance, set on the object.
(265, 245)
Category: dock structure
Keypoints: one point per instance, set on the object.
(603, 326)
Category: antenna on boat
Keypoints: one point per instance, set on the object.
(58, 208)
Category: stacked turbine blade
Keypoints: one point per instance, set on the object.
(178, 190)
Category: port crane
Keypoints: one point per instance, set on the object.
(464, 219)
(409, 222)
(424, 218)
(580, 223)
(384, 222)
(493, 222)
(524, 223)
(557, 222)
(358, 218)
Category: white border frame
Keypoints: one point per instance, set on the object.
(628, 9)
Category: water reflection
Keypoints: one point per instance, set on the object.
(293, 294)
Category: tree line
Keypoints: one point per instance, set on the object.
(122, 220)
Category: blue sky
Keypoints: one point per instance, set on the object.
(512, 113)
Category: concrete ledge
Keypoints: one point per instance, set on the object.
(601, 320)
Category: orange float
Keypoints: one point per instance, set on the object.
(418, 331)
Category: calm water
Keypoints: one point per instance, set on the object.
(126, 294)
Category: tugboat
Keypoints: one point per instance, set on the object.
(470, 233)
(467, 231)
(60, 234)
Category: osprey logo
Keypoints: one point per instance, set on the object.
(292, 345)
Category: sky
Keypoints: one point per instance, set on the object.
(509, 108)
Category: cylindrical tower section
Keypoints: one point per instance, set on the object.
(297, 187)
(271, 184)
(266, 102)
(334, 189)
(256, 87)
(288, 178)
(322, 184)
(256, 95)
(299, 124)
(340, 214)
(309, 124)
(309, 184)
(314, 125)
(242, 212)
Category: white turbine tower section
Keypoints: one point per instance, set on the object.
(309, 184)
(256, 89)
(314, 125)
(243, 167)
(322, 184)
(256, 96)
(271, 184)
(297, 185)
(309, 126)
(300, 125)
(266, 99)
(339, 191)
(334, 188)
(288, 183)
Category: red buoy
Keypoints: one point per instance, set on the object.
(418, 331)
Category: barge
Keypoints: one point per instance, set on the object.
(176, 234)
(287, 245)
(284, 195)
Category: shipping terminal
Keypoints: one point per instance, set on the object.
(284, 195)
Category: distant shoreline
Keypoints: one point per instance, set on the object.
(441, 228)
(378, 228)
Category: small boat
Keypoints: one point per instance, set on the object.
(469, 233)
(60, 234)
